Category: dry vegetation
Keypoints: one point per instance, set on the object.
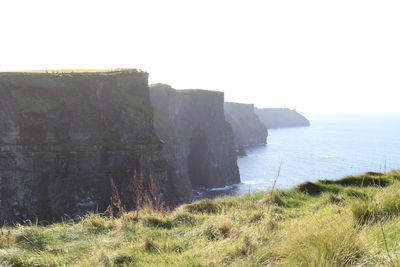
(354, 221)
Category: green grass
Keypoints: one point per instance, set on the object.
(326, 223)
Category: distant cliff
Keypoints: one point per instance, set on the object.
(199, 143)
(281, 117)
(247, 127)
(63, 136)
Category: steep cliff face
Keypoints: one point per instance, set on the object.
(63, 136)
(199, 142)
(281, 117)
(247, 127)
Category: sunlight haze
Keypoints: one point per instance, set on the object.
(315, 56)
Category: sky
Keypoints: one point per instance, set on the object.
(315, 56)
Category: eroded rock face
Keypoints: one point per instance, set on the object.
(247, 127)
(199, 143)
(63, 136)
(281, 117)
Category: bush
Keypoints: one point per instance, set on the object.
(175, 246)
(355, 194)
(132, 216)
(374, 173)
(96, 224)
(203, 206)
(329, 242)
(395, 175)
(6, 239)
(16, 261)
(314, 189)
(224, 227)
(216, 230)
(360, 181)
(183, 218)
(150, 246)
(273, 198)
(256, 217)
(364, 212)
(158, 223)
(246, 246)
(34, 238)
(124, 260)
(208, 230)
(385, 205)
(333, 199)
(363, 181)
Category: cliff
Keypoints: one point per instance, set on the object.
(281, 117)
(247, 127)
(63, 136)
(199, 143)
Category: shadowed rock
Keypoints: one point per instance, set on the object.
(199, 143)
(247, 127)
(64, 135)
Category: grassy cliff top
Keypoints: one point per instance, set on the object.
(163, 86)
(239, 104)
(68, 71)
(200, 91)
(354, 221)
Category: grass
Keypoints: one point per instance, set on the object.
(382, 206)
(326, 223)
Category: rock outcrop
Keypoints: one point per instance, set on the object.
(281, 117)
(63, 136)
(199, 143)
(247, 127)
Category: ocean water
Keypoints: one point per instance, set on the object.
(333, 146)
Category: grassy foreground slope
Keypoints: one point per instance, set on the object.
(354, 221)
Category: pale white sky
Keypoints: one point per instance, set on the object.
(339, 55)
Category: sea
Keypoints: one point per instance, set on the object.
(335, 145)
